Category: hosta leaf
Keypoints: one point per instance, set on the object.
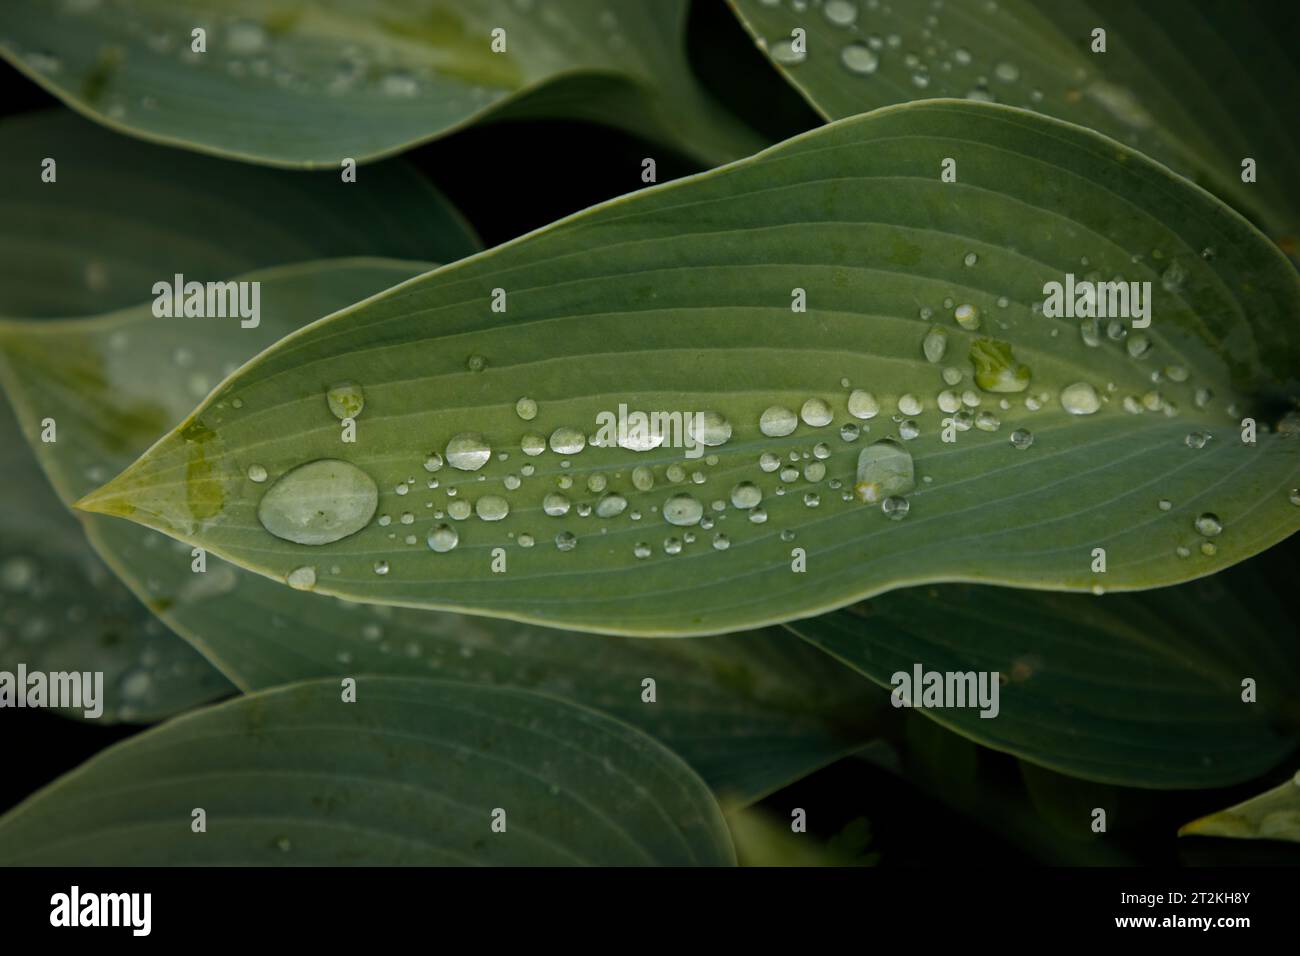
(1273, 815)
(412, 772)
(679, 299)
(1135, 689)
(122, 215)
(750, 712)
(309, 84)
(1196, 84)
(61, 609)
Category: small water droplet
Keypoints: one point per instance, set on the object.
(1164, 504)
(346, 400)
(1196, 439)
(935, 345)
(895, 507)
(1208, 524)
(443, 538)
(970, 259)
(526, 409)
(1022, 438)
(708, 428)
(909, 405)
(1080, 399)
(1007, 72)
(256, 473)
(642, 550)
(884, 468)
(816, 412)
(611, 505)
(860, 59)
(476, 363)
(996, 367)
(459, 509)
(567, 441)
(555, 504)
(491, 508)
(777, 422)
(468, 451)
(967, 316)
(863, 404)
(302, 579)
(381, 567)
(682, 510)
(784, 52)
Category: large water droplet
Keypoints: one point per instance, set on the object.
(319, 503)
(884, 468)
(1080, 399)
(468, 451)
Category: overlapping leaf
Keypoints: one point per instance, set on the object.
(1273, 815)
(63, 610)
(679, 299)
(750, 712)
(1136, 689)
(309, 84)
(122, 215)
(412, 772)
(1197, 84)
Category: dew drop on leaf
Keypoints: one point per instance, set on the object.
(319, 503)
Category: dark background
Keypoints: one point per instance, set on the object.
(512, 177)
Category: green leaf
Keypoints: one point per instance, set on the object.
(410, 773)
(1273, 815)
(308, 85)
(1141, 690)
(750, 712)
(64, 611)
(1198, 85)
(122, 215)
(763, 839)
(677, 299)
